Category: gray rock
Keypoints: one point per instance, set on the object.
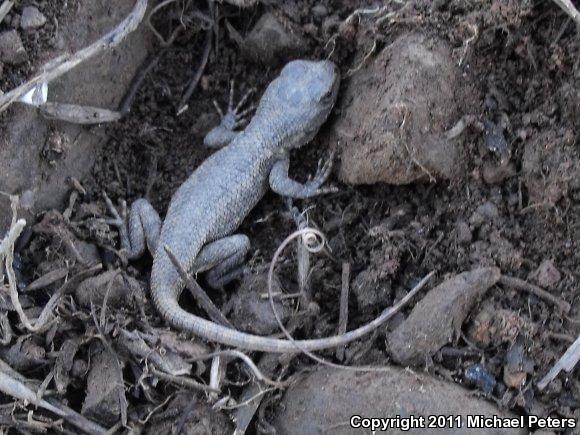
(32, 18)
(437, 318)
(325, 400)
(11, 49)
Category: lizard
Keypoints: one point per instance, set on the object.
(211, 204)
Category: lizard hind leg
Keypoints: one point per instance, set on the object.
(232, 120)
(137, 230)
(222, 259)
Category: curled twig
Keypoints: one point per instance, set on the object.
(386, 315)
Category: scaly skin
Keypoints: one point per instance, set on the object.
(215, 199)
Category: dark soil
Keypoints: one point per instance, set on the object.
(522, 72)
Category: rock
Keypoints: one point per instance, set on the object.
(546, 275)
(327, 398)
(486, 212)
(120, 290)
(496, 174)
(319, 11)
(478, 375)
(463, 233)
(11, 49)
(517, 366)
(252, 313)
(31, 18)
(394, 112)
(437, 318)
(105, 388)
(550, 166)
(269, 42)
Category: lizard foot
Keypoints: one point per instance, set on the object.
(322, 173)
(118, 220)
(234, 118)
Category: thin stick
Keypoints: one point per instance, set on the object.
(182, 381)
(5, 8)
(343, 313)
(17, 389)
(198, 293)
(65, 63)
(386, 315)
(197, 76)
(520, 284)
(567, 362)
(569, 8)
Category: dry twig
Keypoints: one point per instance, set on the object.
(65, 63)
(520, 284)
(569, 8)
(567, 362)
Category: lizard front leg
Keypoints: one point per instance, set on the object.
(282, 184)
(234, 118)
(138, 229)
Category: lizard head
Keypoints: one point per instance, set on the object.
(301, 97)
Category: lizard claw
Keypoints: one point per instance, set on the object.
(117, 220)
(235, 117)
(313, 185)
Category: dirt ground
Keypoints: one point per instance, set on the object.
(504, 192)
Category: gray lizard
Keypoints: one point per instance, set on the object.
(211, 204)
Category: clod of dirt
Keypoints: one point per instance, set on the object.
(120, 290)
(394, 113)
(369, 290)
(328, 398)
(105, 389)
(437, 318)
(496, 174)
(546, 275)
(12, 50)
(463, 232)
(486, 212)
(269, 42)
(492, 326)
(31, 18)
(551, 167)
(517, 366)
(200, 418)
(251, 312)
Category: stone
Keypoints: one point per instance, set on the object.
(395, 111)
(32, 18)
(12, 50)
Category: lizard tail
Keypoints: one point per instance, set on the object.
(172, 312)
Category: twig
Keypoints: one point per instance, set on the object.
(369, 327)
(569, 8)
(5, 8)
(198, 293)
(63, 64)
(343, 313)
(182, 106)
(125, 106)
(182, 381)
(520, 284)
(246, 359)
(75, 114)
(567, 362)
(18, 390)
(47, 279)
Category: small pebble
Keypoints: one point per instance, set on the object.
(478, 375)
(464, 235)
(546, 275)
(319, 11)
(486, 212)
(31, 18)
(11, 49)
